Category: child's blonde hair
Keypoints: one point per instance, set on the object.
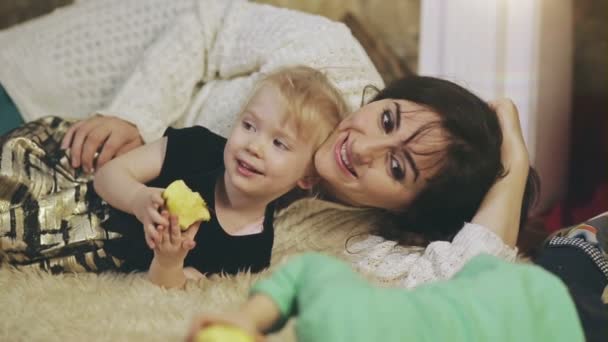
(314, 104)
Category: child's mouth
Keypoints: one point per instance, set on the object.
(247, 168)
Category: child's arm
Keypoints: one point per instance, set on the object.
(257, 315)
(277, 298)
(167, 267)
(121, 183)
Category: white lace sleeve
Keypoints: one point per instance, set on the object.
(409, 267)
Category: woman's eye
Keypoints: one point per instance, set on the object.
(396, 169)
(278, 143)
(387, 121)
(248, 126)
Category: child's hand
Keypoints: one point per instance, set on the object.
(237, 320)
(174, 245)
(145, 207)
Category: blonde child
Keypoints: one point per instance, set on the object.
(268, 153)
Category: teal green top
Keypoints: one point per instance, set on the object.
(488, 300)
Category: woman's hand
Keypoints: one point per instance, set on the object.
(145, 206)
(513, 151)
(500, 210)
(113, 135)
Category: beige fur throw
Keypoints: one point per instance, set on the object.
(38, 306)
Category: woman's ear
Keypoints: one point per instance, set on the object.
(308, 182)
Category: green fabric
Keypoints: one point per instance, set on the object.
(488, 300)
(9, 114)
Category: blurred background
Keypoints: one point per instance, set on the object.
(548, 55)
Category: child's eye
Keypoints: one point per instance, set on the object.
(278, 143)
(248, 126)
(396, 169)
(387, 121)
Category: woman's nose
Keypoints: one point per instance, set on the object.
(367, 149)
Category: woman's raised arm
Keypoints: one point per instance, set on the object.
(500, 210)
(493, 229)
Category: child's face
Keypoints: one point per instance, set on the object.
(264, 156)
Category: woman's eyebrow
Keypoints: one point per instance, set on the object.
(397, 115)
(413, 166)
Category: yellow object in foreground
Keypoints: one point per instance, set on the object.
(223, 333)
(187, 205)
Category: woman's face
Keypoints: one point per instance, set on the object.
(365, 161)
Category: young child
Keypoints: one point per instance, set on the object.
(488, 300)
(268, 153)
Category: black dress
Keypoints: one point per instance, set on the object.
(194, 155)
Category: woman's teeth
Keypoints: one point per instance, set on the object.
(345, 160)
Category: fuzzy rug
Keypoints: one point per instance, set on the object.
(38, 306)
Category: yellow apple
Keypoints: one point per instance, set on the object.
(187, 205)
(223, 333)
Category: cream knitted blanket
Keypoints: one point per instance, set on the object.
(158, 63)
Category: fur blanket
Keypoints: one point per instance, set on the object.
(114, 307)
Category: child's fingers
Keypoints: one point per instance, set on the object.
(150, 236)
(165, 233)
(188, 245)
(191, 232)
(160, 228)
(150, 243)
(158, 200)
(157, 217)
(176, 233)
(174, 220)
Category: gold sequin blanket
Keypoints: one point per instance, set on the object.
(49, 213)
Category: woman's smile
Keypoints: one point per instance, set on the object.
(344, 159)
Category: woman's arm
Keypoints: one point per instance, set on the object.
(500, 210)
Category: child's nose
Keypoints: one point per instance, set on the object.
(255, 148)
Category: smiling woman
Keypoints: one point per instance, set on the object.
(424, 149)
(387, 150)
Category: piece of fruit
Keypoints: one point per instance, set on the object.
(187, 205)
(223, 333)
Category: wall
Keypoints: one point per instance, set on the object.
(589, 153)
(516, 49)
(395, 22)
(16, 11)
